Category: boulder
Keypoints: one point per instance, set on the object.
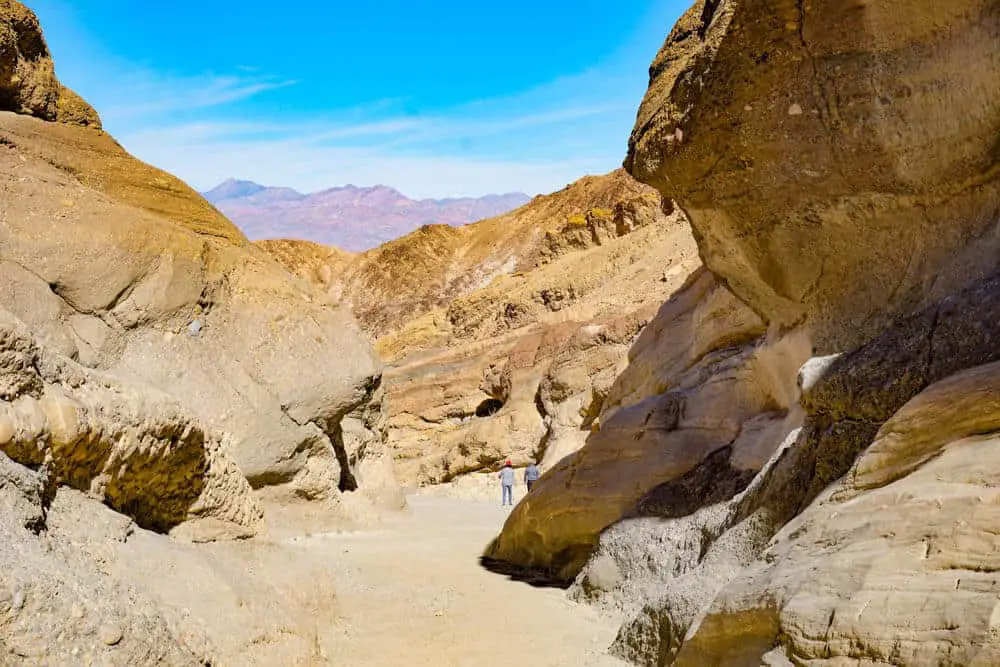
(818, 151)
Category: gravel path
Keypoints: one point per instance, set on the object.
(412, 593)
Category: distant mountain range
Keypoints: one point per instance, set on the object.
(348, 217)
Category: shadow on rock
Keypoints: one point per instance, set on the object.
(537, 577)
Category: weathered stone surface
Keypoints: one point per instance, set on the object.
(133, 447)
(74, 110)
(125, 270)
(715, 132)
(577, 383)
(666, 571)
(960, 406)
(882, 392)
(82, 584)
(819, 152)
(510, 331)
(27, 76)
(28, 83)
(560, 331)
(59, 608)
(894, 564)
(706, 413)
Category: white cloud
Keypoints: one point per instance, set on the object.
(142, 94)
(202, 129)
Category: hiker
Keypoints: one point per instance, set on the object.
(531, 475)
(506, 476)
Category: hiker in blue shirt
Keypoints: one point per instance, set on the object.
(506, 476)
(531, 475)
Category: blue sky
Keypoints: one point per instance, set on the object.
(433, 98)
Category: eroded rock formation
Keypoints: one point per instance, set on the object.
(159, 374)
(28, 82)
(704, 395)
(839, 505)
(819, 154)
(503, 337)
(132, 447)
(139, 278)
(818, 512)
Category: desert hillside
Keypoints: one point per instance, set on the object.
(438, 263)
(503, 337)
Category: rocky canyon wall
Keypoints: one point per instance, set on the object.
(181, 303)
(158, 375)
(818, 150)
(753, 505)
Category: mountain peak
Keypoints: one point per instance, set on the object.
(351, 217)
(232, 188)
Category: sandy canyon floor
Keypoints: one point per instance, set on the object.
(412, 593)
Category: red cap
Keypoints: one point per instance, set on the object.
(508, 463)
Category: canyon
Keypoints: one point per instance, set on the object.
(510, 330)
(758, 366)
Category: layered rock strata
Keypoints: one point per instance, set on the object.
(510, 331)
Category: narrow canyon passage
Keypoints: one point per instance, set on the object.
(412, 593)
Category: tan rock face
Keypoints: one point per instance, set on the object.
(683, 424)
(27, 76)
(134, 447)
(97, 161)
(820, 155)
(894, 563)
(172, 303)
(758, 578)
